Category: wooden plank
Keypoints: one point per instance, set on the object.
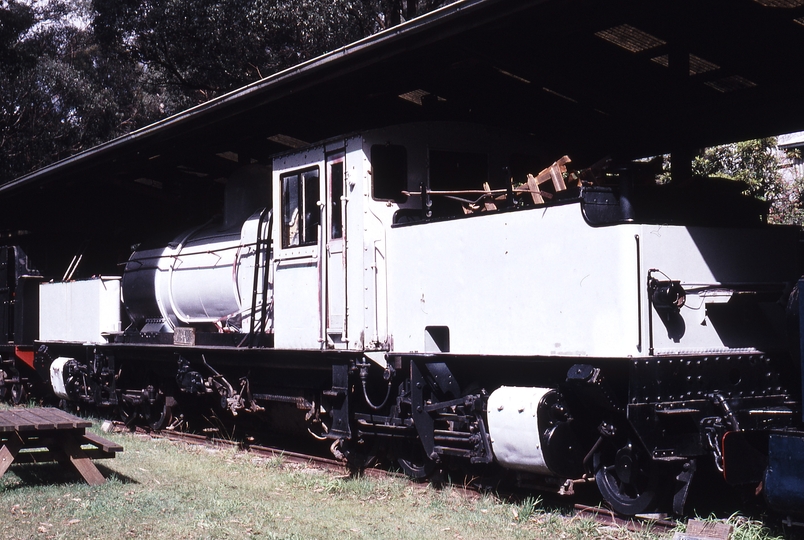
(488, 202)
(35, 456)
(41, 439)
(533, 187)
(22, 422)
(8, 452)
(555, 172)
(97, 453)
(558, 178)
(49, 420)
(82, 463)
(49, 456)
(103, 444)
(33, 416)
(39, 419)
(709, 529)
(64, 420)
(5, 423)
(6, 459)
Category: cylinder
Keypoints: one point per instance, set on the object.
(514, 428)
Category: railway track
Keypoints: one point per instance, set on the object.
(604, 516)
(601, 515)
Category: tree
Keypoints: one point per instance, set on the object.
(759, 165)
(76, 73)
(394, 12)
(15, 20)
(58, 94)
(199, 49)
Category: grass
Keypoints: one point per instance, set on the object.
(164, 489)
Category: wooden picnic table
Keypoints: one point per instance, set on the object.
(40, 435)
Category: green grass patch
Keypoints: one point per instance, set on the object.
(163, 489)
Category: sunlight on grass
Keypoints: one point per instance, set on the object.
(169, 490)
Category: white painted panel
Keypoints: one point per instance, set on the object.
(336, 288)
(297, 321)
(297, 269)
(79, 311)
(335, 247)
(532, 282)
(713, 261)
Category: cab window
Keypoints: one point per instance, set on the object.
(389, 171)
(300, 212)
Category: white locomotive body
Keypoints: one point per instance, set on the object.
(536, 281)
(446, 291)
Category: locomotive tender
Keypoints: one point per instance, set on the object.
(441, 293)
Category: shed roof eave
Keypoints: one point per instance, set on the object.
(419, 32)
(791, 140)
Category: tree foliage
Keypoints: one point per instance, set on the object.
(58, 93)
(75, 73)
(759, 165)
(198, 49)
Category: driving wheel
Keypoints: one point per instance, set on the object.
(626, 478)
(159, 413)
(411, 457)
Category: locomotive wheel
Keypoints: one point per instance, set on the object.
(159, 414)
(18, 393)
(412, 459)
(626, 479)
(128, 413)
(418, 470)
(156, 415)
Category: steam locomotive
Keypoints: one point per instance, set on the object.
(446, 295)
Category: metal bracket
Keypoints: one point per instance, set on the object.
(340, 403)
(684, 478)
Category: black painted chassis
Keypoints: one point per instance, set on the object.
(661, 416)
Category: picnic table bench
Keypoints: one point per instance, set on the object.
(40, 435)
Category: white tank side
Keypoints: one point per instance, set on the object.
(79, 311)
(57, 377)
(202, 284)
(716, 263)
(530, 282)
(514, 428)
(383, 265)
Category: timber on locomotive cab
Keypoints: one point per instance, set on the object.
(450, 295)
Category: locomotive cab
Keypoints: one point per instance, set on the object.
(336, 204)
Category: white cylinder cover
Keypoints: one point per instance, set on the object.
(514, 428)
(57, 377)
